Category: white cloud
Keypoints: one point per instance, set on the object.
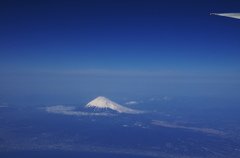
(152, 99)
(131, 103)
(167, 98)
(70, 110)
(3, 106)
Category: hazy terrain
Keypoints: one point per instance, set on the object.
(166, 129)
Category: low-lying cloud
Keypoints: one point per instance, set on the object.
(3, 106)
(205, 130)
(131, 103)
(71, 110)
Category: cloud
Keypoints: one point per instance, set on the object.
(167, 98)
(131, 103)
(163, 75)
(205, 130)
(152, 99)
(107, 72)
(3, 106)
(70, 110)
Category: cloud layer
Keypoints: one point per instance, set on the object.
(70, 110)
(131, 103)
(205, 130)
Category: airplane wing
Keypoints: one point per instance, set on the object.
(231, 15)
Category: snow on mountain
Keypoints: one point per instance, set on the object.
(103, 102)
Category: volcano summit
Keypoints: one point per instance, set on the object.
(103, 102)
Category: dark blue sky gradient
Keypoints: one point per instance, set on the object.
(165, 47)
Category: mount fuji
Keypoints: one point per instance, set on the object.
(103, 102)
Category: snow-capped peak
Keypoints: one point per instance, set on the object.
(103, 102)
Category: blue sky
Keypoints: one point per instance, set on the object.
(65, 49)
